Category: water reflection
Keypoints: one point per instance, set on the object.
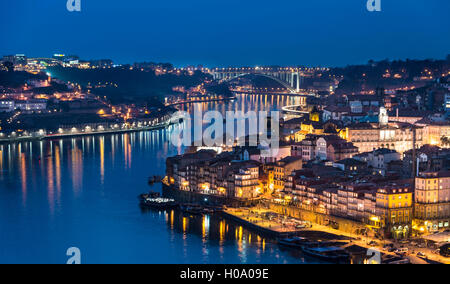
(82, 191)
(219, 234)
(246, 102)
(23, 177)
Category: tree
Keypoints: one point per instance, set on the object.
(445, 141)
(9, 66)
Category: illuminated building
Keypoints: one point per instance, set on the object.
(384, 134)
(394, 208)
(339, 150)
(395, 135)
(246, 182)
(433, 132)
(323, 147)
(31, 105)
(432, 201)
(282, 169)
(7, 106)
(18, 59)
(309, 127)
(208, 172)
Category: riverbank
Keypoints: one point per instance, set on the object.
(70, 133)
(251, 219)
(201, 101)
(263, 93)
(182, 196)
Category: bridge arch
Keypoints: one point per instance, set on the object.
(230, 77)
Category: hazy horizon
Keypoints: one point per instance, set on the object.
(233, 33)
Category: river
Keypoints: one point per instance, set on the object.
(82, 192)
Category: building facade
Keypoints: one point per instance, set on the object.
(432, 201)
(394, 208)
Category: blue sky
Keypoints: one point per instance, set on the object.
(231, 32)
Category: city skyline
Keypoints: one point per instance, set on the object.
(235, 132)
(296, 34)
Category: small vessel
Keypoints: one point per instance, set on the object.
(328, 254)
(295, 242)
(159, 203)
(192, 209)
(150, 194)
(208, 210)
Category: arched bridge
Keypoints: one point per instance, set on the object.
(290, 78)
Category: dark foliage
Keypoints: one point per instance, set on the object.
(125, 85)
(17, 79)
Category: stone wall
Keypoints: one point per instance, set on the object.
(204, 199)
(345, 225)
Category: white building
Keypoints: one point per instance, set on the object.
(7, 106)
(31, 105)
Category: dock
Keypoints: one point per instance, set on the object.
(260, 225)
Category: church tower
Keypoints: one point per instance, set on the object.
(314, 115)
(383, 117)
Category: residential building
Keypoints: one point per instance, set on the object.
(339, 150)
(31, 105)
(351, 165)
(394, 209)
(432, 201)
(429, 159)
(435, 131)
(282, 169)
(379, 159)
(7, 106)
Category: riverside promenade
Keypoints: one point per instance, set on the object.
(69, 133)
(257, 220)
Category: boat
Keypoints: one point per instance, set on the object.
(295, 242)
(328, 253)
(159, 203)
(192, 210)
(150, 194)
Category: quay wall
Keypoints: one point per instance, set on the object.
(69, 134)
(204, 199)
(345, 225)
(256, 228)
(200, 101)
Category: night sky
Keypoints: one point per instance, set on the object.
(228, 32)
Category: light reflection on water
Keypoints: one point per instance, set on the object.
(82, 192)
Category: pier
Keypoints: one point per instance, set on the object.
(253, 221)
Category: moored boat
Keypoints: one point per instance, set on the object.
(193, 210)
(328, 253)
(159, 203)
(295, 242)
(151, 194)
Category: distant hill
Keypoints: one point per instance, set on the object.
(386, 73)
(125, 85)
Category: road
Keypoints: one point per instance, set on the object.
(359, 240)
